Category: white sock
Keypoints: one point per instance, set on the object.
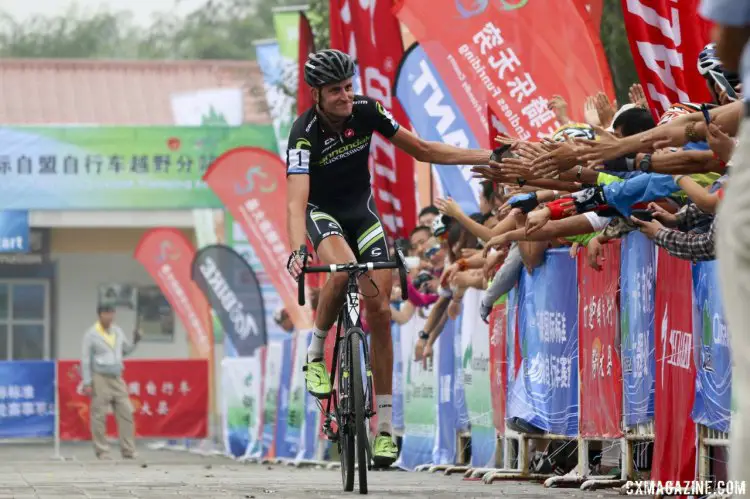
(384, 409)
(317, 344)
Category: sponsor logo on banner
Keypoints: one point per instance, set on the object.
(169, 399)
(376, 51)
(665, 39)
(495, 57)
(470, 8)
(233, 290)
(14, 231)
(167, 255)
(675, 442)
(262, 216)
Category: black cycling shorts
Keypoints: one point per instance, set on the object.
(359, 225)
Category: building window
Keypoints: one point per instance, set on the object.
(24, 319)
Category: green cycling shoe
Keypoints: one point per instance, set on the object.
(384, 451)
(316, 379)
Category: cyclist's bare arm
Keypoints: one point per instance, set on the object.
(298, 189)
(437, 152)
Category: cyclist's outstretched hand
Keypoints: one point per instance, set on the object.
(295, 264)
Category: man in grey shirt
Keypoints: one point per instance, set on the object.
(104, 346)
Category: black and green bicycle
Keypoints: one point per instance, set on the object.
(351, 401)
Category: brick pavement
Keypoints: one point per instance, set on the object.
(29, 471)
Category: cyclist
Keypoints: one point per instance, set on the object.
(330, 200)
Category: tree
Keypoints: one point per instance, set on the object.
(317, 13)
(616, 46)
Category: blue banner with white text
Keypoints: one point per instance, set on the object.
(546, 395)
(397, 415)
(637, 299)
(435, 116)
(444, 451)
(287, 438)
(713, 390)
(14, 231)
(27, 399)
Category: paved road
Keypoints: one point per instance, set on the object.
(28, 471)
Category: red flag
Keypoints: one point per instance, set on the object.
(306, 47)
(516, 57)
(168, 255)
(594, 9)
(378, 52)
(674, 429)
(251, 182)
(169, 399)
(599, 367)
(665, 39)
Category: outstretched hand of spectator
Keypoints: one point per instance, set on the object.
(590, 116)
(537, 219)
(649, 229)
(605, 109)
(448, 207)
(638, 96)
(594, 252)
(559, 106)
(719, 142)
(562, 158)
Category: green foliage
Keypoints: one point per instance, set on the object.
(317, 13)
(615, 41)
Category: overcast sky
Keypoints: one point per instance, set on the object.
(141, 9)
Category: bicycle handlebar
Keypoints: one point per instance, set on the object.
(399, 264)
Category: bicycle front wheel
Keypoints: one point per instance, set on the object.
(357, 395)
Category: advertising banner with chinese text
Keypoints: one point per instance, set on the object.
(241, 405)
(513, 57)
(713, 397)
(233, 290)
(280, 101)
(167, 255)
(435, 116)
(286, 444)
(477, 385)
(674, 429)
(304, 404)
(251, 183)
(637, 279)
(169, 398)
(599, 346)
(116, 168)
(665, 40)
(420, 400)
(499, 362)
(546, 395)
(27, 399)
(378, 53)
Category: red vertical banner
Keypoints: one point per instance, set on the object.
(306, 47)
(251, 182)
(168, 256)
(674, 429)
(498, 365)
(509, 58)
(378, 53)
(665, 39)
(169, 399)
(600, 370)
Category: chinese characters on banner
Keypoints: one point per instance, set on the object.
(499, 365)
(378, 52)
(509, 63)
(169, 398)
(674, 429)
(27, 399)
(251, 182)
(167, 255)
(665, 39)
(598, 326)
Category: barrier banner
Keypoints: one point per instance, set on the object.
(241, 382)
(548, 332)
(115, 167)
(286, 444)
(378, 52)
(251, 182)
(498, 362)
(27, 399)
(461, 345)
(296, 393)
(397, 411)
(435, 116)
(665, 40)
(599, 346)
(501, 61)
(637, 277)
(271, 391)
(232, 288)
(167, 256)
(713, 392)
(477, 384)
(311, 424)
(420, 400)
(674, 430)
(169, 398)
(449, 392)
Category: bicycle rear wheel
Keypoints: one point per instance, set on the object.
(357, 395)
